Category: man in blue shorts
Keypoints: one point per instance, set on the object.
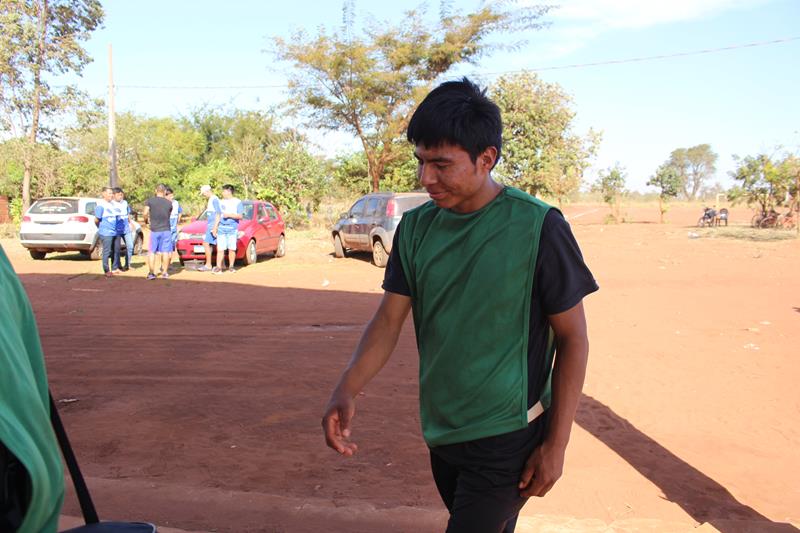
(156, 213)
(227, 228)
(213, 211)
(495, 282)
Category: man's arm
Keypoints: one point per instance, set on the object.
(146, 214)
(217, 217)
(373, 350)
(238, 215)
(546, 463)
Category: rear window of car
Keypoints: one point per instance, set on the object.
(404, 203)
(55, 206)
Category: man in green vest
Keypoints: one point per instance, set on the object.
(31, 476)
(495, 281)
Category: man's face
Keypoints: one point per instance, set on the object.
(107, 195)
(450, 176)
(207, 193)
(118, 196)
(227, 193)
(170, 196)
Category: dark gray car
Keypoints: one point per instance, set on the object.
(370, 223)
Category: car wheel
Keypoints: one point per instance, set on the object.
(379, 255)
(250, 254)
(281, 251)
(138, 244)
(338, 249)
(36, 254)
(97, 251)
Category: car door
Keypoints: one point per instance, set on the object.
(350, 227)
(263, 235)
(369, 221)
(272, 226)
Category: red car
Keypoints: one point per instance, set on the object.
(261, 231)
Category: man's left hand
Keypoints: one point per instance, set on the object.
(542, 469)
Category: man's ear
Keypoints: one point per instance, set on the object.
(488, 158)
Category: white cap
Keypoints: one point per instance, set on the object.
(205, 188)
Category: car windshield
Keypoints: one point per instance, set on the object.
(409, 202)
(247, 215)
(54, 206)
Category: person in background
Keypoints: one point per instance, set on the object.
(105, 216)
(227, 228)
(213, 210)
(156, 213)
(31, 475)
(124, 227)
(174, 218)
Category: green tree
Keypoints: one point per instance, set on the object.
(369, 84)
(351, 172)
(763, 181)
(41, 39)
(611, 185)
(292, 179)
(150, 151)
(695, 166)
(668, 180)
(541, 152)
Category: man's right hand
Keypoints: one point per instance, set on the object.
(336, 424)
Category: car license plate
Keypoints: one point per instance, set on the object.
(199, 250)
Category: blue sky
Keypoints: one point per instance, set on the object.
(740, 101)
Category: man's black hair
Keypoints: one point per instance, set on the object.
(229, 187)
(116, 190)
(169, 190)
(459, 113)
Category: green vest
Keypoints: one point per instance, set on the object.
(471, 278)
(24, 404)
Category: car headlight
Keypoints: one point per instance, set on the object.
(239, 234)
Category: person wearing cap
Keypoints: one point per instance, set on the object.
(213, 212)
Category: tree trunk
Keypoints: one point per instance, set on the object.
(37, 104)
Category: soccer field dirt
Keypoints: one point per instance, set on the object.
(195, 402)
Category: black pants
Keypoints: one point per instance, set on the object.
(478, 480)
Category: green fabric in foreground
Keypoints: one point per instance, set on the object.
(24, 404)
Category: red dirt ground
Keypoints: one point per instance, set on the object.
(199, 397)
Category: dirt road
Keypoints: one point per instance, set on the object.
(199, 397)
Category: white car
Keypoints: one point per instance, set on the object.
(66, 224)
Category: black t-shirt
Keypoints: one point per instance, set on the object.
(160, 209)
(561, 279)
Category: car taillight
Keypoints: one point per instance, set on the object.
(26, 218)
(391, 208)
(78, 218)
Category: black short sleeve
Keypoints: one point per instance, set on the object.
(394, 278)
(561, 279)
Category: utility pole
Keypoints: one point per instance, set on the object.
(113, 180)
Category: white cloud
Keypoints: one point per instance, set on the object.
(608, 14)
(577, 22)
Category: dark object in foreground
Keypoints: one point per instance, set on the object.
(93, 523)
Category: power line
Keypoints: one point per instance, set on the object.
(652, 58)
(533, 69)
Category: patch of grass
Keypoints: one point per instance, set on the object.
(746, 233)
(8, 231)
